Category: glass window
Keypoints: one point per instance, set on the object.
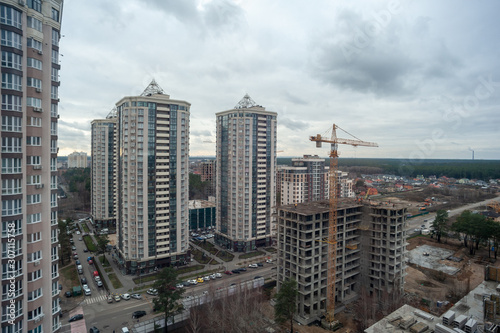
(12, 81)
(34, 121)
(34, 63)
(33, 43)
(11, 145)
(10, 16)
(54, 74)
(11, 165)
(11, 60)
(10, 38)
(55, 14)
(35, 83)
(35, 4)
(12, 186)
(11, 124)
(53, 128)
(34, 23)
(33, 199)
(33, 141)
(12, 103)
(53, 92)
(55, 37)
(53, 110)
(35, 102)
(34, 160)
(55, 56)
(11, 207)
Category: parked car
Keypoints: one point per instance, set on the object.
(136, 296)
(152, 291)
(138, 314)
(228, 272)
(242, 269)
(76, 317)
(68, 294)
(260, 264)
(206, 278)
(78, 232)
(86, 290)
(193, 282)
(236, 271)
(200, 280)
(179, 285)
(75, 256)
(84, 280)
(80, 239)
(269, 261)
(77, 262)
(218, 275)
(110, 299)
(85, 250)
(126, 296)
(97, 278)
(117, 298)
(73, 248)
(94, 330)
(213, 277)
(253, 266)
(99, 283)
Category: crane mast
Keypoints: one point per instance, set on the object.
(333, 201)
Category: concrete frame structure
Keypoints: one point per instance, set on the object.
(153, 181)
(207, 170)
(103, 171)
(362, 257)
(30, 82)
(201, 215)
(77, 160)
(246, 176)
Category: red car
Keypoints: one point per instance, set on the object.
(96, 273)
(228, 272)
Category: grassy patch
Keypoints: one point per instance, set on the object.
(271, 249)
(207, 246)
(108, 269)
(71, 275)
(189, 269)
(251, 255)
(226, 256)
(200, 256)
(144, 279)
(85, 228)
(114, 281)
(89, 243)
(104, 261)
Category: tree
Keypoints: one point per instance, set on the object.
(168, 299)
(65, 248)
(286, 302)
(440, 223)
(102, 243)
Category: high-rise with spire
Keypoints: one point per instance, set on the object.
(30, 82)
(245, 176)
(152, 180)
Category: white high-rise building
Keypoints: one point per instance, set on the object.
(152, 181)
(30, 81)
(245, 176)
(77, 160)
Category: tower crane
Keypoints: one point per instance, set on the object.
(332, 223)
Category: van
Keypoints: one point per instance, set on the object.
(125, 330)
(80, 269)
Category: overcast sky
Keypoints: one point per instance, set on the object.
(420, 78)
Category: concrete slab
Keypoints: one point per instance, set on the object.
(432, 257)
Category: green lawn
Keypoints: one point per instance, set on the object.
(251, 255)
(199, 256)
(114, 281)
(85, 228)
(90, 244)
(104, 261)
(226, 256)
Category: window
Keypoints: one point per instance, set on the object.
(11, 124)
(18, 310)
(53, 128)
(32, 295)
(12, 186)
(12, 103)
(35, 4)
(53, 182)
(53, 200)
(55, 56)
(12, 81)
(11, 165)
(34, 160)
(10, 16)
(34, 179)
(53, 217)
(33, 141)
(54, 74)
(34, 237)
(11, 145)
(53, 92)
(34, 256)
(35, 44)
(53, 146)
(53, 110)
(53, 235)
(34, 63)
(35, 102)
(11, 207)
(53, 164)
(10, 38)
(34, 218)
(11, 60)
(55, 14)
(34, 23)
(33, 199)
(35, 83)
(35, 313)
(55, 37)
(34, 121)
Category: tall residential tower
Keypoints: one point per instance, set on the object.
(30, 82)
(245, 176)
(153, 180)
(103, 171)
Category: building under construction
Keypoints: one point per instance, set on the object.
(370, 251)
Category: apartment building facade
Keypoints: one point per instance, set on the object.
(363, 259)
(153, 181)
(30, 81)
(245, 176)
(77, 160)
(103, 171)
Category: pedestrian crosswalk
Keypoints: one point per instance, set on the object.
(95, 299)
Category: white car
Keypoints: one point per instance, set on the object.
(253, 266)
(213, 277)
(206, 278)
(193, 282)
(269, 261)
(86, 290)
(126, 296)
(218, 275)
(136, 296)
(152, 291)
(179, 285)
(78, 232)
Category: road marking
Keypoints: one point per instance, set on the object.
(95, 299)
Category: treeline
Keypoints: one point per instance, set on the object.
(477, 169)
(77, 179)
